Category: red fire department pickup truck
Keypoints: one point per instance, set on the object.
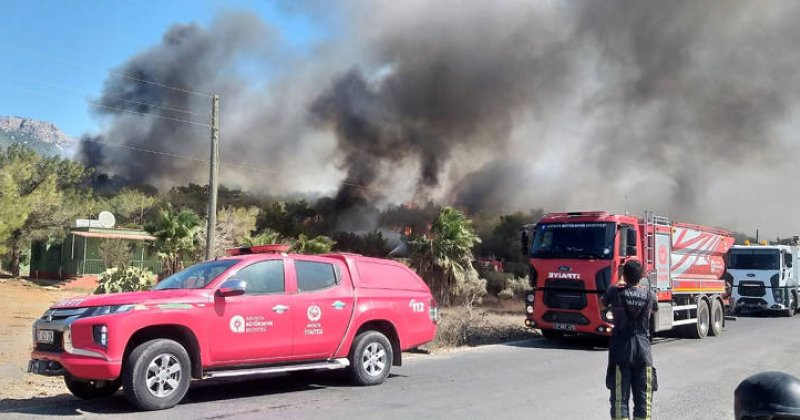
(258, 311)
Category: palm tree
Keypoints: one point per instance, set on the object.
(175, 232)
(266, 237)
(444, 256)
(318, 245)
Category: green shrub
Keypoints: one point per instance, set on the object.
(496, 281)
(505, 285)
(115, 253)
(517, 268)
(506, 294)
(518, 286)
(129, 279)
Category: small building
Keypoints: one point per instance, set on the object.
(79, 253)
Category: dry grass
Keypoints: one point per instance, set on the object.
(461, 326)
(24, 302)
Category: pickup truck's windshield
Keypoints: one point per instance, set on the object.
(754, 259)
(196, 276)
(574, 240)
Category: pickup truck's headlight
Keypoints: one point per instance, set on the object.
(107, 310)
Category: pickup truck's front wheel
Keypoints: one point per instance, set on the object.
(370, 358)
(157, 374)
(91, 389)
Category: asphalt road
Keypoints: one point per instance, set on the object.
(530, 379)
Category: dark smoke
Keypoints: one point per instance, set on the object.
(684, 107)
(190, 58)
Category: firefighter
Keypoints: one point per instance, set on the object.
(630, 362)
(767, 395)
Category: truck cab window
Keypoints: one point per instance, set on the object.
(314, 275)
(263, 277)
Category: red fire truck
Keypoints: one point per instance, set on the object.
(576, 256)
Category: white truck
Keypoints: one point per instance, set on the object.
(764, 278)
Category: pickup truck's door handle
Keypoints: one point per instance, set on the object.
(280, 308)
(338, 304)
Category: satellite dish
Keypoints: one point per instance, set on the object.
(106, 219)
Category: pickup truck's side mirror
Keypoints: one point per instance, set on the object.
(232, 287)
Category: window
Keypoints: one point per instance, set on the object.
(196, 276)
(574, 240)
(314, 275)
(263, 277)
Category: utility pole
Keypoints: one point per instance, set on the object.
(211, 229)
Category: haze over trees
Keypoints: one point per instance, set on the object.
(40, 198)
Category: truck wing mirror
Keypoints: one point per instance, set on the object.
(232, 287)
(525, 242)
(630, 249)
(622, 251)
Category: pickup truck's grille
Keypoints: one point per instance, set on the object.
(59, 314)
(565, 294)
(751, 288)
(56, 347)
(565, 317)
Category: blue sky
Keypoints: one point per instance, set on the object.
(56, 53)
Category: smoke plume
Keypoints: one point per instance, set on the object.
(682, 107)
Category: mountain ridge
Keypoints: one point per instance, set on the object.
(42, 136)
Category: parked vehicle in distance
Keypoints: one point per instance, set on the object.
(258, 311)
(575, 257)
(764, 278)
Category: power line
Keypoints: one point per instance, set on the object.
(166, 108)
(243, 166)
(177, 89)
(112, 72)
(116, 98)
(98, 104)
(350, 184)
(101, 105)
(142, 149)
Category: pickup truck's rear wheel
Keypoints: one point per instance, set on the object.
(91, 389)
(157, 374)
(370, 358)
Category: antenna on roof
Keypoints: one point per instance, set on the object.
(626, 204)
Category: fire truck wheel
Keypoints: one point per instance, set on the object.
(156, 375)
(89, 390)
(552, 334)
(700, 329)
(717, 318)
(370, 358)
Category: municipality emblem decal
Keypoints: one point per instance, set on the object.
(314, 313)
(237, 324)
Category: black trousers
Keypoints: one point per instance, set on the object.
(624, 381)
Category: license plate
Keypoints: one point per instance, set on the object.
(564, 327)
(44, 336)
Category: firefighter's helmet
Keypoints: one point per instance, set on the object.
(768, 395)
